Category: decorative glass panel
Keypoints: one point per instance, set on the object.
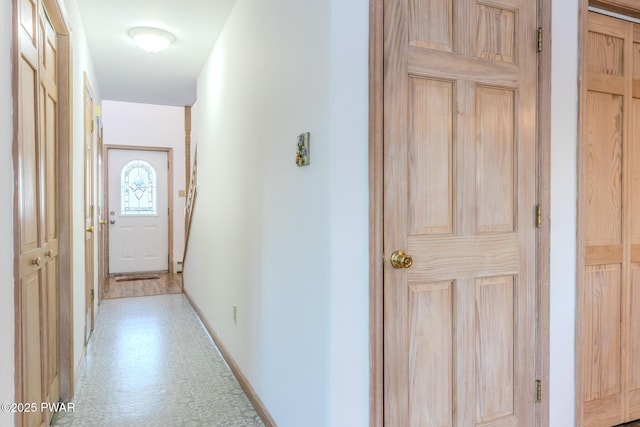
(138, 183)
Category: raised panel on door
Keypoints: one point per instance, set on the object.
(431, 146)
(28, 19)
(150, 249)
(496, 32)
(431, 24)
(32, 333)
(604, 169)
(31, 280)
(28, 153)
(460, 149)
(495, 152)
(602, 359)
(494, 343)
(431, 353)
(127, 243)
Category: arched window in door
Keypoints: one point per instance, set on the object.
(138, 186)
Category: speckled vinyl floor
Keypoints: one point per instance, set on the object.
(150, 362)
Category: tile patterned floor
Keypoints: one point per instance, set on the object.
(150, 362)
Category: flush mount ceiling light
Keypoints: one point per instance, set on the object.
(151, 39)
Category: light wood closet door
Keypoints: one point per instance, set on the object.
(48, 156)
(37, 211)
(460, 86)
(609, 290)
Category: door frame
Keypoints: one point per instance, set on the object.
(101, 218)
(89, 206)
(105, 194)
(376, 218)
(60, 22)
(624, 7)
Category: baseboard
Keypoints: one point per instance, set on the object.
(83, 356)
(235, 369)
(76, 373)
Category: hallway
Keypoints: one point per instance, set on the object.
(150, 362)
(295, 323)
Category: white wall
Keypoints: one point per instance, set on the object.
(564, 125)
(81, 63)
(261, 231)
(194, 135)
(6, 214)
(145, 125)
(349, 215)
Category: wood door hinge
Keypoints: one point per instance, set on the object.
(538, 216)
(538, 391)
(539, 49)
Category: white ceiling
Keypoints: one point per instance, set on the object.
(125, 72)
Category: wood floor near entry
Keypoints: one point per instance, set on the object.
(165, 284)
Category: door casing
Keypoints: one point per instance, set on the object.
(376, 220)
(89, 208)
(101, 224)
(105, 195)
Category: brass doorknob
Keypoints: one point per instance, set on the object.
(401, 260)
(49, 253)
(90, 230)
(103, 222)
(37, 261)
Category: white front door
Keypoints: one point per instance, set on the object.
(138, 213)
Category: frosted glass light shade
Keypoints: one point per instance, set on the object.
(150, 39)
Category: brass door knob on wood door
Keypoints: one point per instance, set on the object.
(401, 260)
(90, 230)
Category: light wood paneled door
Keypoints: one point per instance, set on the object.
(609, 284)
(460, 93)
(89, 210)
(38, 297)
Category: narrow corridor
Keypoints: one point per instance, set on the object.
(150, 362)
